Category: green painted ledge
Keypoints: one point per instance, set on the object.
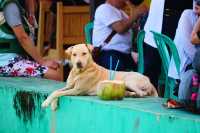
(85, 114)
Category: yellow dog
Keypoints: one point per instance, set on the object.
(86, 74)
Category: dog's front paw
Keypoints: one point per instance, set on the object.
(45, 103)
(142, 93)
(130, 94)
(54, 104)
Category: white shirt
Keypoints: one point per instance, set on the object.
(183, 43)
(154, 21)
(106, 15)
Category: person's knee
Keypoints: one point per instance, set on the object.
(185, 91)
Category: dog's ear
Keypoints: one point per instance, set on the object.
(68, 52)
(90, 47)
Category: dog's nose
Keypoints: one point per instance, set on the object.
(79, 65)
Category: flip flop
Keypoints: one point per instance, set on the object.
(172, 104)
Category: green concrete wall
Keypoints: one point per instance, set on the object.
(20, 112)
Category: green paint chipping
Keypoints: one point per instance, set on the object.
(21, 112)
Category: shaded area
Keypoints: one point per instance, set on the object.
(20, 100)
(26, 103)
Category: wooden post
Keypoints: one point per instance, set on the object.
(59, 34)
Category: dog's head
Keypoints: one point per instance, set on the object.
(80, 56)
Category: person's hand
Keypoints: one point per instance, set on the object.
(32, 21)
(137, 11)
(51, 64)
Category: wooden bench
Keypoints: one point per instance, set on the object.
(20, 111)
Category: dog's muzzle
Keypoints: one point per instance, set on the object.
(79, 65)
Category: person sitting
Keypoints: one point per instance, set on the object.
(12, 62)
(189, 90)
(185, 41)
(110, 18)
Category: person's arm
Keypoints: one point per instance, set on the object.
(29, 47)
(26, 43)
(13, 18)
(196, 33)
(125, 24)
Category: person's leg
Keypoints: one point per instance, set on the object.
(105, 60)
(185, 91)
(21, 67)
(129, 62)
(126, 62)
(152, 64)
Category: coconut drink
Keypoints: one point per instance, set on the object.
(111, 90)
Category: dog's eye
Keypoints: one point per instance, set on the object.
(74, 54)
(84, 53)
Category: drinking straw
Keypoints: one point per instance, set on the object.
(110, 70)
(113, 75)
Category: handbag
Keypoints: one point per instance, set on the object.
(96, 52)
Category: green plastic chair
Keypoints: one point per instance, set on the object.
(10, 46)
(88, 32)
(162, 41)
(9, 43)
(140, 40)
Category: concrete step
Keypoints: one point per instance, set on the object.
(20, 112)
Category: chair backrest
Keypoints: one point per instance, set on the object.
(88, 29)
(140, 40)
(167, 50)
(8, 41)
(70, 25)
(11, 46)
(163, 42)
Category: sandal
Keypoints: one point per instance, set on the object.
(172, 104)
